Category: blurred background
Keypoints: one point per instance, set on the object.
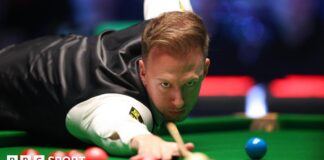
(253, 43)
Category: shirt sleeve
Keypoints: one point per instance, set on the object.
(110, 121)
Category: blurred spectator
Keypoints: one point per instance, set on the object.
(265, 39)
(88, 14)
(296, 39)
(28, 19)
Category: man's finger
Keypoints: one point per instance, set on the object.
(190, 146)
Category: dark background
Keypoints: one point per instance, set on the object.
(265, 39)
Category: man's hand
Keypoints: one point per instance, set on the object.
(154, 146)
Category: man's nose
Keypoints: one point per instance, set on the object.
(177, 99)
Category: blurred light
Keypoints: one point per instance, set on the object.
(256, 105)
(226, 85)
(298, 86)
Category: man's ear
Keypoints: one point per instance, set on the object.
(206, 66)
(142, 71)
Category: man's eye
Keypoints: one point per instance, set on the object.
(190, 83)
(165, 84)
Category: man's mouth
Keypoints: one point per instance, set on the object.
(177, 112)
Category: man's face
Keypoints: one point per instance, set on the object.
(173, 82)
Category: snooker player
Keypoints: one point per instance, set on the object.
(115, 90)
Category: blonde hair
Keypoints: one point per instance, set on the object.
(176, 31)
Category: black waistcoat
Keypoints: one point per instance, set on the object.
(41, 79)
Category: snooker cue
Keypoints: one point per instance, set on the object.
(174, 132)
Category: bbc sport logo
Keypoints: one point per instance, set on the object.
(42, 157)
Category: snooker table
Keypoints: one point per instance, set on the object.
(297, 137)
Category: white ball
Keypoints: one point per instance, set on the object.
(197, 156)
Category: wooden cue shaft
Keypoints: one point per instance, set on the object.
(174, 132)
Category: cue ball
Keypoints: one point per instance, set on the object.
(197, 156)
(256, 148)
